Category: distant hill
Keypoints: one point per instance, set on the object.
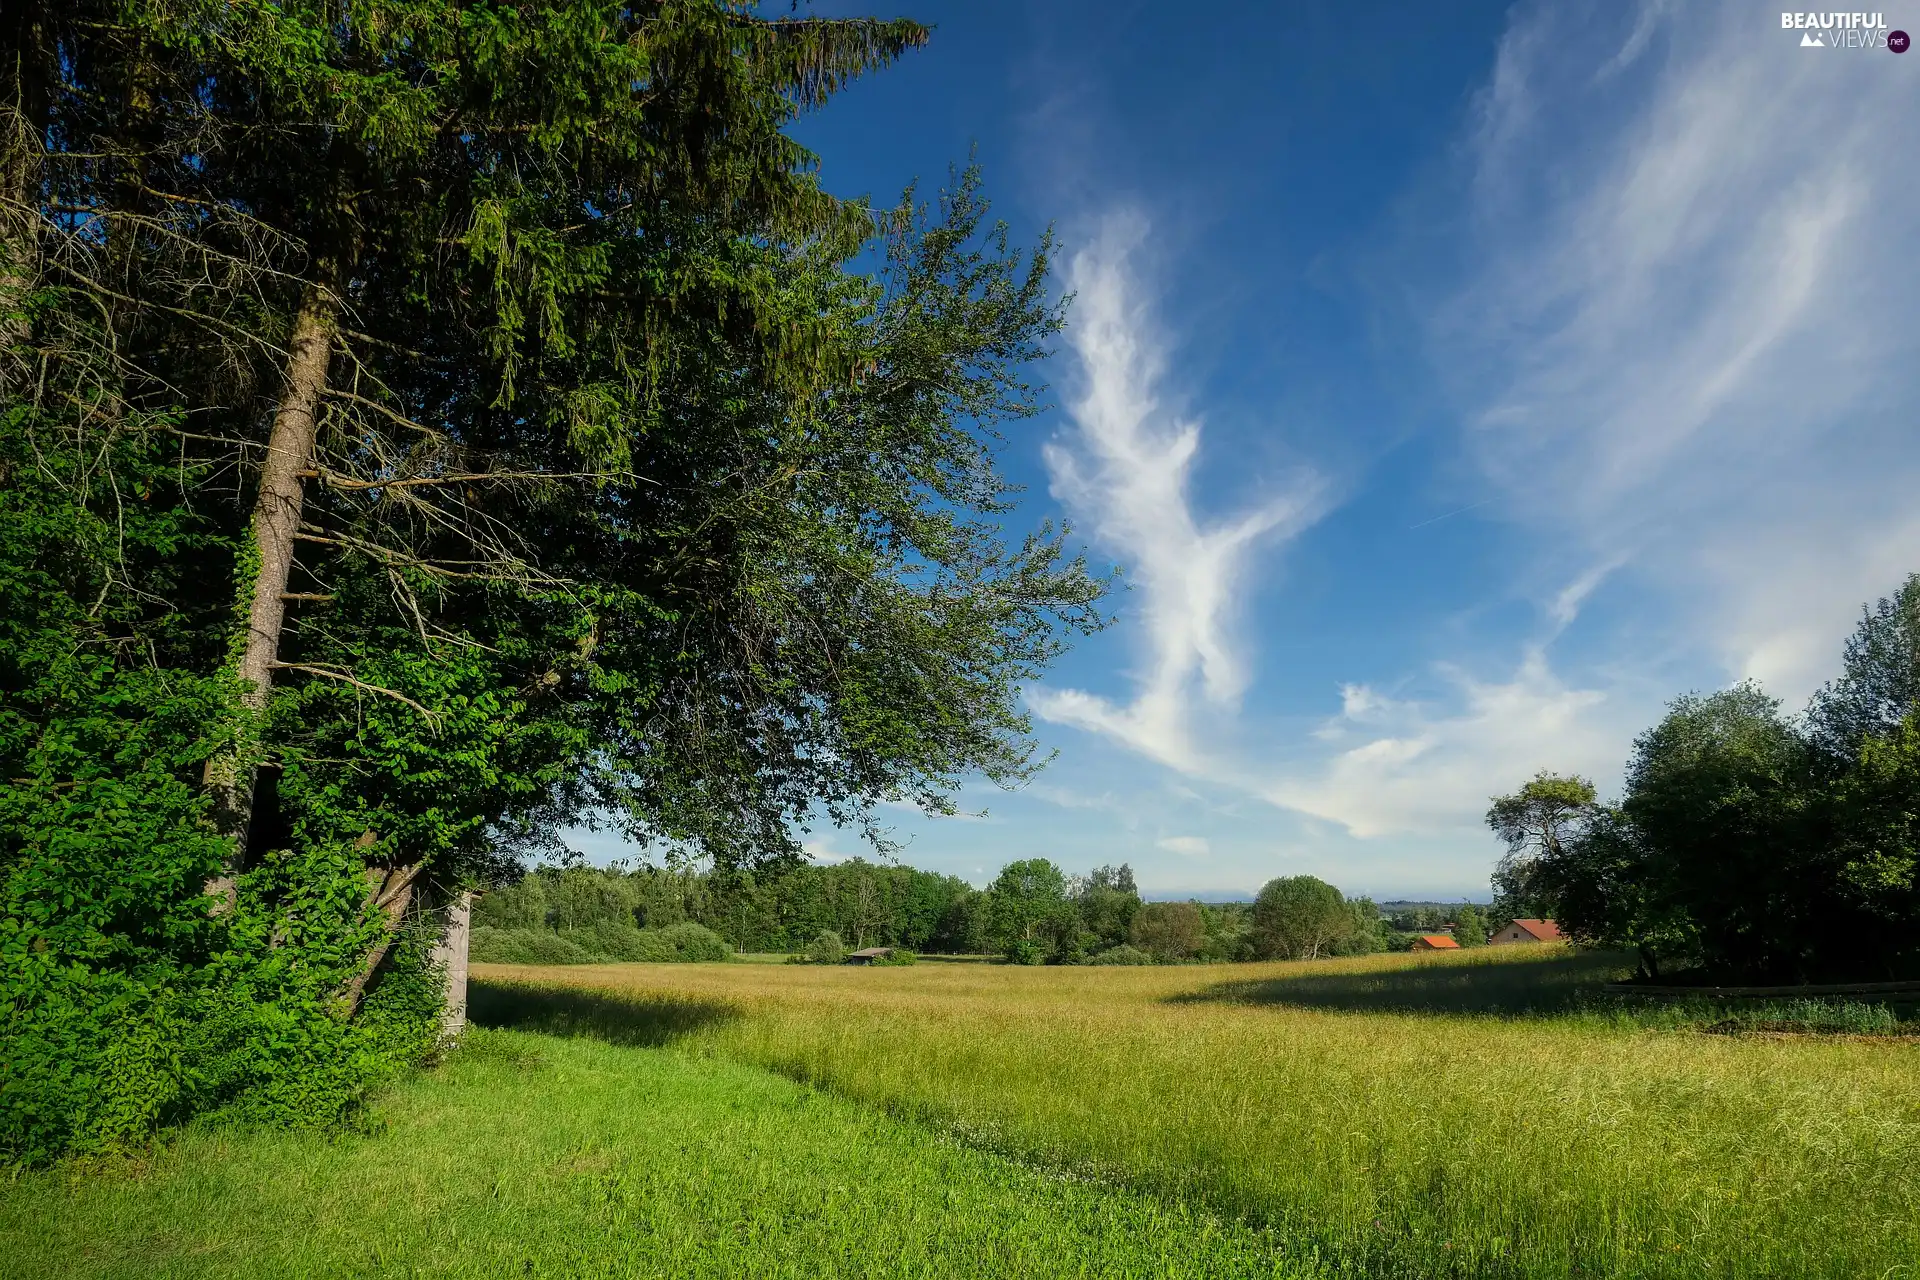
(1393, 905)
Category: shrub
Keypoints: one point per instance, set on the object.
(1023, 952)
(1122, 954)
(126, 1004)
(899, 955)
(600, 944)
(827, 949)
(526, 946)
(689, 941)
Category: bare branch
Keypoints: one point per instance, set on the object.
(337, 393)
(432, 717)
(333, 481)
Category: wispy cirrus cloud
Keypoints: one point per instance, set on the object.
(1677, 332)
(1124, 470)
(1685, 339)
(1679, 343)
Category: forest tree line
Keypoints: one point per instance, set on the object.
(1031, 913)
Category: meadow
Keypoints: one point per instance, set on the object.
(1481, 1114)
(1477, 1114)
(533, 1155)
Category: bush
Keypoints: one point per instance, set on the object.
(525, 946)
(899, 955)
(827, 949)
(611, 941)
(1122, 954)
(125, 1004)
(688, 941)
(600, 944)
(1023, 952)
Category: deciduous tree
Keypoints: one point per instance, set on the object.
(1026, 897)
(1299, 918)
(1169, 931)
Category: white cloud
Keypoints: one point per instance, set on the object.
(1068, 798)
(1124, 471)
(1416, 767)
(1690, 309)
(1185, 846)
(820, 849)
(1680, 338)
(1678, 347)
(1566, 605)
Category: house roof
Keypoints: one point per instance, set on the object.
(1439, 941)
(1544, 930)
(874, 952)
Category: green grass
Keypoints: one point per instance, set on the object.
(1457, 1115)
(536, 1155)
(1479, 1115)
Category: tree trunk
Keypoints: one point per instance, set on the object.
(450, 956)
(390, 891)
(22, 153)
(276, 518)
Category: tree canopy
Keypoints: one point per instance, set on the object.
(1300, 918)
(1533, 823)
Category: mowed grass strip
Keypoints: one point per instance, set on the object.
(1452, 1115)
(529, 1155)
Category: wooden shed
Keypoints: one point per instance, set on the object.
(867, 955)
(1435, 942)
(1527, 931)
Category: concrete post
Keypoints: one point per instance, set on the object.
(450, 953)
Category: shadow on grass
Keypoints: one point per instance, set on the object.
(1549, 985)
(636, 1021)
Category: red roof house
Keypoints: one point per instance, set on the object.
(1528, 931)
(1435, 942)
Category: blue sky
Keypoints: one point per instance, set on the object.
(1455, 384)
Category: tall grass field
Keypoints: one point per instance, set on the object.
(1477, 1114)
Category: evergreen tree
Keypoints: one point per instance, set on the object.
(427, 423)
(1533, 823)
